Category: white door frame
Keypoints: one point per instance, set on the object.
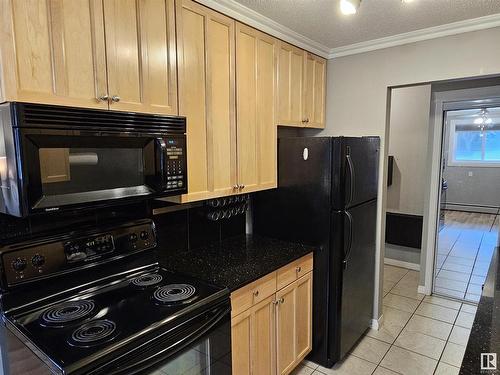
(440, 102)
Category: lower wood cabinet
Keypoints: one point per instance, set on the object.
(275, 334)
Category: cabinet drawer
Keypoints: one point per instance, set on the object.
(244, 298)
(291, 272)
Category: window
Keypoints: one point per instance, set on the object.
(474, 145)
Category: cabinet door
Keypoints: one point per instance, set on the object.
(140, 50)
(303, 317)
(314, 93)
(255, 98)
(53, 52)
(286, 328)
(253, 339)
(290, 85)
(54, 165)
(294, 323)
(241, 343)
(205, 42)
(263, 337)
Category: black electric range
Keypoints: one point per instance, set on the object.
(125, 319)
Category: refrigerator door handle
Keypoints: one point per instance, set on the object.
(350, 164)
(349, 244)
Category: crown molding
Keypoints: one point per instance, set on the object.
(454, 28)
(250, 17)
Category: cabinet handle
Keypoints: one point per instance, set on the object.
(236, 187)
(307, 120)
(115, 98)
(281, 300)
(103, 98)
(275, 303)
(304, 120)
(241, 187)
(256, 293)
(298, 269)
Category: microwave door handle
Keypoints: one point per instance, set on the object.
(161, 155)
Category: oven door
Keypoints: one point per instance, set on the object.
(199, 346)
(71, 168)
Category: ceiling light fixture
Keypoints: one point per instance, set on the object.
(348, 7)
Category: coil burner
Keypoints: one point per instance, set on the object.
(175, 294)
(67, 313)
(93, 333)
(147, 280)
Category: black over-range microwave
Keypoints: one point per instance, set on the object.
(54, 158)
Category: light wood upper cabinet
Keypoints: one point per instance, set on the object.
(205, 44)
(255, 98)
(290, 94)
(54, 165)
(141, 60)
(314, 93)
(53, 52)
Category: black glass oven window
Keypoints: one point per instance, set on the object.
(69, 173)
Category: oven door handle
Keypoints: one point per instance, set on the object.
(143, 361)
(161, 155)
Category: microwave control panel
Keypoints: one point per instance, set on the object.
(176, 165)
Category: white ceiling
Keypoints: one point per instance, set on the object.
(321, 21)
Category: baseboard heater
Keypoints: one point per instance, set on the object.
(404, 229)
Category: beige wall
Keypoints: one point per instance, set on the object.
(408, 139)
(357, 89)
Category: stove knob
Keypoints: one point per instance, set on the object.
(144, 235)
(19, 264)
(38, 260)
(132, 237)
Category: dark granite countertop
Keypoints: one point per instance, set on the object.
(234, 262)
(485, 333)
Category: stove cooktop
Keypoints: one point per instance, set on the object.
(123, 312)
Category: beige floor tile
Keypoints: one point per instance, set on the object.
(474, 279)
(352, 365)
(392, 273)
(411, 278)
(408, 363)
(407, 291)
(442, 313)
(302, 369)
(428, 326)
(456, 267)
(469, 308)
(453, 354)
(441, 282)
(475, 289)
(461, 261)
(400, 302)
(479, 272)
(383, 371)
(472, 297)
(452, 275)
(393, 322)
(310, 364)
(445, 369)
(442, 302)
(449, 293)
(371, 349)
(465, 320)
(388, 285)
(421, 344)
(459, 335)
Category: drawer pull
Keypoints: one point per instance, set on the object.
(298, 269)
(281, 300)
(256, 293)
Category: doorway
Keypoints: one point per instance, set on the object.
(469, 207)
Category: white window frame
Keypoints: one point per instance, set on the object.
(452, 162)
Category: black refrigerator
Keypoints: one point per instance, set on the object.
(327, 198)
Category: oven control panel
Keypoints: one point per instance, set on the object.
(36, 259)
(175, 165)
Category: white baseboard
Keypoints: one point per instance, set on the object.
(376, 323)
(423, 290)
(400, 263)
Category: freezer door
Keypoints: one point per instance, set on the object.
(355, 172)
(358, 272)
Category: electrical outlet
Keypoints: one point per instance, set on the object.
(471, 174)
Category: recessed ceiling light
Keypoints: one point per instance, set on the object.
(407, 1)
(348, 7)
